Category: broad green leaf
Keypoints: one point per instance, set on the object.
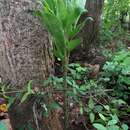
(54, 26)
(125, 127)
(92, 117)
(91, 103)
(112, 122)
(74, 30)
(114, 117)
(60, 17)
(102, 117)
(57, 51)
(99, 126)
(74, 10)
(73, 43)
(113, 127)
(98, 108)
(106, 107)
(62, 11)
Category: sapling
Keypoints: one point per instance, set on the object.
(61, 19)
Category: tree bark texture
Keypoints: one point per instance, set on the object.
(90, 32)
(25, 51)
(24, 45)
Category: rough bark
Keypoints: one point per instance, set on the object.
(25, 51)
(24, 44)
(90, 32)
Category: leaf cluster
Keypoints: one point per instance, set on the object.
(61, 18)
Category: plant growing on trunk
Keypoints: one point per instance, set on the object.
(61, 18)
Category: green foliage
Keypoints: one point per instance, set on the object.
(99, 126)
(5, 93)
(113, 10)
(109, 13)
(10, 93)
(61, 18)
(112, 26)
(3, 89)
(78, 82)
(117, 73)
(27, 92)
(77, 71)
(103, 117)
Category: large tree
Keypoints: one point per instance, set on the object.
(25, 53)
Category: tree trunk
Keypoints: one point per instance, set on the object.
(25, 52)
(90, 32)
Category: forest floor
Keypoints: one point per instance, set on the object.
(78, 121)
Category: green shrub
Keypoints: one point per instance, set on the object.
(116, 73)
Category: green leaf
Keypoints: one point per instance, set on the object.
(112, 122)
(113, 127)
(29, 87)
(98, 108)
(106, 107)
(60, 17)
(73, 31)
(28, 92)
(74, 12)
(114, 117)
(54, 26)
(125, 127)
(92, 117)
(73, 43)
(102, 117)
(25, 96)
(91, 103)
(62, 11)
(99, 126)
